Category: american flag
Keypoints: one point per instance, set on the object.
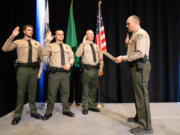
(100, 33)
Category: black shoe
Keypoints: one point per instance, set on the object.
(132, 120)
(15, 121)
(140, 131)
(94, 109)
(85, 111)
(69, 114)
(36, 116)
(46, 116)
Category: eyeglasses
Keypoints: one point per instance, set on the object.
(60, 34)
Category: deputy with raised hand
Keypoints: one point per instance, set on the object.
(28, 69)
(61, 59)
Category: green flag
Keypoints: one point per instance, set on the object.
(71, 38)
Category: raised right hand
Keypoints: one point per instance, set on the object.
(127, 39)
(49, 36)
(16, 31)
(84, 39)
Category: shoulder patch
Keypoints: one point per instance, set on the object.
(139, 36)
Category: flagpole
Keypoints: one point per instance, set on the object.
(46, 58)
(99, 105)
(74, 104)
(69, 41)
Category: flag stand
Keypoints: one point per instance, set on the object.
(74, 104)
(99, 105)
(99, 37)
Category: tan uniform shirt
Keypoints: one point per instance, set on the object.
(22, 48)
(54, 52)
(138, 45)
(85, 52)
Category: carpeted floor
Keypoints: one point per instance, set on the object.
(110, 121)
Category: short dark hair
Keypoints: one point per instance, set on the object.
(27, 25)
(136, 18)
(58, 30)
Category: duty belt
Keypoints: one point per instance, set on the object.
(87, 66)
(33, 65)
(54, 70)
(143, 60)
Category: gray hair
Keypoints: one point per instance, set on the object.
(135, 18)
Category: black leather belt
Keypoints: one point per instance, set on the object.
(32, 65)
(87, 66)
(134, 63)
(54, 70)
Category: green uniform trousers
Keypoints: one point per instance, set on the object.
(26, 80)
(89, 80)
(56, 81)
(140, 83)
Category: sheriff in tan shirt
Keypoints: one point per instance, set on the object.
(138, 45)
(140, 68)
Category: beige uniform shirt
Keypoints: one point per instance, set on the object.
(54, 52)
(138, 45)
(85, 52)
(22, 48)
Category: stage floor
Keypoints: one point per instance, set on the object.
(110, 121)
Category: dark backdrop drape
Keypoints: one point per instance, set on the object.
(161, 19)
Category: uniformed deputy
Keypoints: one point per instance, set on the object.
(61, 58)
(137, 56)
(90, 64)
(29, 52)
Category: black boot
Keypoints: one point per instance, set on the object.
(46, 116)
(69, 114)
(36, 116)
(15, 121)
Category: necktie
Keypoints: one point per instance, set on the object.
(30, 52)
(93, 52)
(62, 55)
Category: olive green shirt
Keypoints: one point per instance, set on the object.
(138, 45)
(54, 52)
(22, 48)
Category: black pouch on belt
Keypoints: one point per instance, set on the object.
(139, 66)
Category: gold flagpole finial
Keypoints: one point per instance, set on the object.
(100, 2)
(71, 4)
